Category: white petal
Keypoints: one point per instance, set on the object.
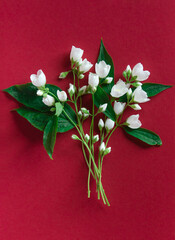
(109, 124)
(119, 89)
(93, 80)
(85, 66)
(134, 122)
(102, 69)
(76, 54)
(119, 107)
(49, 100)
(138, 71)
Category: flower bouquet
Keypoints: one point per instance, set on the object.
(52, 110)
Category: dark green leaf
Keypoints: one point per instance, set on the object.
(144, 135)
(49, 136)
(40, 119)
(59, 108)
(103, 55)
(153, 89)
(100, 97)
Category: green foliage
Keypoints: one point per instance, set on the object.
(49, 136)
(153, 89)
(144, 135)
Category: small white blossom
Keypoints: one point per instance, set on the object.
(48, 100)
(101, 124)
(38, 79)
(109, 124)
(62, 95)
(76, 54)
(102, 108)
(95, 138)
(102, 147)
(128, 69)
(140, 95)
(82, 90)
(133, 121)
(86, 137)
(85, 66)
(71, 89)
(138, 71)
(119, 107)
(102, 69)
(136, 106)
(108, 80)
(93, 80)
(39, 92)
(119, 89)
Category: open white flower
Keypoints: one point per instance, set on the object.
(85, 66)
(62, 95)
(138, 71)
(76, 54)
(119, 107)
(48, 100)
(119, 89)
(140, 95)
(103, 107)
(109, 124)
(134, 122)
(102, 69)
(38, 79)
(93, 80)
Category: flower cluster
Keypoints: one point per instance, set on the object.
(51, 108)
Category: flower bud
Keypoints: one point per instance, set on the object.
(85, 66)
(75, 137)
(101, 124)
(109, 124)
(95, 138)
(86, 137)
(81, 76)
(102, 108)
(80, 114)
(93, 80)
(40, 92)
(63, 74)
(136, 106)
(102, 147)
(62, 96)
(82, 90)
(48, 100)
(84, 110)
(108, 80)
(107, 150)
(71, 89)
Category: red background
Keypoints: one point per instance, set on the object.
(42, 199)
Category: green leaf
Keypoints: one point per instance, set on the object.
(153, 89)
(59, 108)
(144, 135)
(36, 118)
(104, 56)
(40, 119)
(49, 136)
(100, 97)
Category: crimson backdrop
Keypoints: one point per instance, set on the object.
(42, 199)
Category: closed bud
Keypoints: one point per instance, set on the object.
(109, 124)
(63, 74)
(75, 137)
(95, 138)
(108, 80)
(101, 124)
(39, 92)
(82, 90)
(84, 110)
(81, 76)
(71, 89)
(107, 150)
(102, 108)
(102, 147)
(135, 106)
(86, 137)
(80, 114)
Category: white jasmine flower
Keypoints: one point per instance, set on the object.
(133, 121)
(38, 79)
(71, 89)
(119, 89)
(102, 147)
(138, 71)
(76, 54)
(102, 69)
(109, 124)
(39, 92)
(95, 138)
(86, 137)
(140, 95)
(48, 100)
(93, 80)
(103, 107)
(119, 107)
(85, 66)
(62, 95)
(108, 80)
(101, 124)
(82, 90)
(136, 106)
